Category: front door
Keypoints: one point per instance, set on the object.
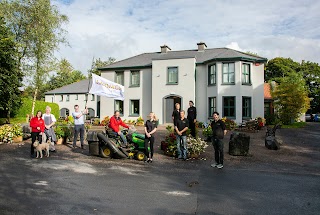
(169, 107)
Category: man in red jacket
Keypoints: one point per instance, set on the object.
(114, 124)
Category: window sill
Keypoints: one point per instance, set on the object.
(228, 84)
(212, 85)
(230, 117)
(134, 115)
(246, 118)
(172, 83)
(247, 84)
(132, 86)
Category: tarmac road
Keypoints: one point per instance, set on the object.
(82, 184)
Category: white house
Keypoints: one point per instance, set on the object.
(218, 79)
(77, 93)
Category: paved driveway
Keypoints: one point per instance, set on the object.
(71, 182)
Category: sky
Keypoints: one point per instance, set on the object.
(124, 28)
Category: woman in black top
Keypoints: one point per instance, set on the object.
(150, 127)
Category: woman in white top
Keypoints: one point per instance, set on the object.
(49, 121)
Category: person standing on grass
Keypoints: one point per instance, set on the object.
(37, 126)
(218, 132)
(150, 127)
(192, 118)
(78, 125)
(176, 114)
(181, 128)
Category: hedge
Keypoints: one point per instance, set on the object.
(26, 108)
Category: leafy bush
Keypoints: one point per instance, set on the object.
(207, 132)
(40, 105)
(196, 145)
(230, 124)
(139, 121)
(105, 121)
(199, 124)
(63, 129)
(96, 122)
(7, 132)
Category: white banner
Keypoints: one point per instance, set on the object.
(103, 87)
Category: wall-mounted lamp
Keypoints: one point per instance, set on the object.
(185, 74)
(158, 75)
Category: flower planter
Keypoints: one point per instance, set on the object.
(17, 139)
(60, 141)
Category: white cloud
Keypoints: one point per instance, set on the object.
(121, 29)
(234, 45)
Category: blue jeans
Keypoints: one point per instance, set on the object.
(182, 147)
(123, 138)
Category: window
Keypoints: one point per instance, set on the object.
(134, 107)
(52, 99)
(172, 75)
(212, 74)
(92, 97)
(135, 79)
(118, 105)
(229, 106)
(61, 98)
(246, 79)
(68, 98)
(77, 97)
(246, 107)
(228, 73)
(119, 77)
(212, 105)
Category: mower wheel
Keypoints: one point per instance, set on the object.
(105, 152)
(140, 156)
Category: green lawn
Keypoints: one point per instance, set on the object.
(295, 125)
(14, 120)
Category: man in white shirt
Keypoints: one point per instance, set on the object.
(79, 125)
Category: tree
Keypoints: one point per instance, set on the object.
(10, 75)
(65, 75)
(290, 97)
(311, 74)
(279, 67)
(98, 63)
(37, 27)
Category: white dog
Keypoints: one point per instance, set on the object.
(40, 147)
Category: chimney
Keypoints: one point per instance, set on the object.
(165, 48)
(202, 46)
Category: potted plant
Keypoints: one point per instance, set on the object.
(60, 134)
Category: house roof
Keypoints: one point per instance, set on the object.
(267, 91)
(80, 87)
(216, 54)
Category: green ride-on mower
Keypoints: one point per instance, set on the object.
(111, 144)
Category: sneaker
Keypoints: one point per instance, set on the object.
(214, 165)
(219, 166)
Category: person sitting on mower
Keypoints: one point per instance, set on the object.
(114, 124)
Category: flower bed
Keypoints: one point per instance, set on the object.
(8, 133)
(196, 146)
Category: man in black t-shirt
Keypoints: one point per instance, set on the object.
(181, 128)
(176, 114)
(192, 118)
(218, 132)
